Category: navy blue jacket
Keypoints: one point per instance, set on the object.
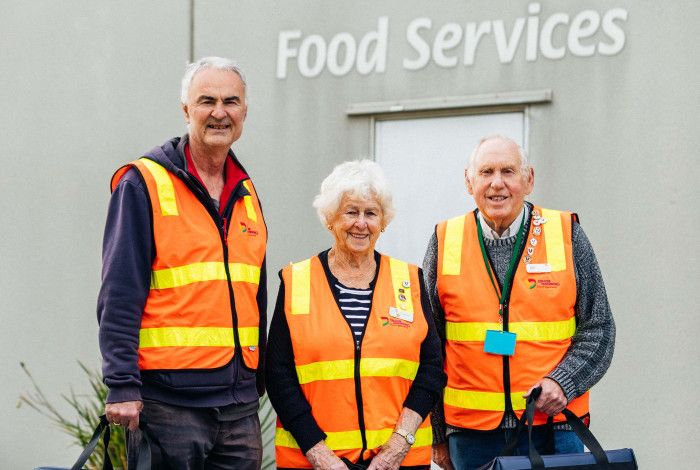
(127, 257)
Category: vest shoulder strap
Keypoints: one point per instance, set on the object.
(452, 245)
(300, 290)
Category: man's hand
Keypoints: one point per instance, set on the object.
(441, 456)
(125, 413)
(552, 399)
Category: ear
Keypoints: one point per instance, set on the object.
(530, 180)
(186, 112)
(467, 182)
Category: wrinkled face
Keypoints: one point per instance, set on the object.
(357, 224)
(498, 183)
(215, 108)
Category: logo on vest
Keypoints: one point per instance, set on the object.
(398, 317)
(391, 321)
(248, 230)
(543, 283)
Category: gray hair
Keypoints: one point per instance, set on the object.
(363, 178)
(524, 165)
(219, 63)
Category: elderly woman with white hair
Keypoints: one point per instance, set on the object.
(354, 362)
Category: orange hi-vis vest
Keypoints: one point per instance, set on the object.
(481, 387)
(356, 393)
(201, 307)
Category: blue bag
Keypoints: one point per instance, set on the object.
(597, 458)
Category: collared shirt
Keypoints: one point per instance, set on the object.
(509, 232)
(232, 175)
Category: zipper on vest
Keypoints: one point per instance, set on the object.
(358, 395)
(221, 225)
(234, 317)
(358, 344)
(224, 229)
(506, 312)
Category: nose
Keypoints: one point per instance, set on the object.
(497, 180)
(361, 221)
(218, 112)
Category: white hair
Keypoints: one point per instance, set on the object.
(219, 63)
(524, 165)
(363, 178)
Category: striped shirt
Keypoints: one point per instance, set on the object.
(355, 305)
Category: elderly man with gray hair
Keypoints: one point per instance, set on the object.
(519, 303)
(183, 298)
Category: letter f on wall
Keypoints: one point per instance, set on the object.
(284, 52)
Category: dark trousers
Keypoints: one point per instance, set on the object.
(198, 439)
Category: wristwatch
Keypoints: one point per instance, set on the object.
(410, 438)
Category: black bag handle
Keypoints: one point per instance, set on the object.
(574, 421)
(103, 426)
(144, 462)
(586, 437)
(535, 457)
(144, 455)
(509, 449)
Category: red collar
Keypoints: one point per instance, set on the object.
(233, 173)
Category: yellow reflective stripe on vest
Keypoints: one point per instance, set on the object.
(241, 272)
(195, 336)
(345, 440)
(388, 367)
(525, 330)
(301, 287)
(401, 282)
(554, 238)
(164, 185)
(201, 272)
(249, 336)
(543, 330)
(326, 370)
(472, 331)
(248, 201)
(345, 369)
(452, 251)
(342, 440)
(375, 439)
(485, 401)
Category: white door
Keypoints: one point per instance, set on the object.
(424, 161)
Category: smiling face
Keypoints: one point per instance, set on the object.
(357, 224)
(215, 108)
(498, 183)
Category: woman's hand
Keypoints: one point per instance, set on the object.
(323, 458)
(392, 454)
(395, 449)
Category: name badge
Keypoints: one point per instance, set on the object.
(500, 342)
(538, 268)
(401, 314)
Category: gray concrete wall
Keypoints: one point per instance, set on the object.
(88, 86)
